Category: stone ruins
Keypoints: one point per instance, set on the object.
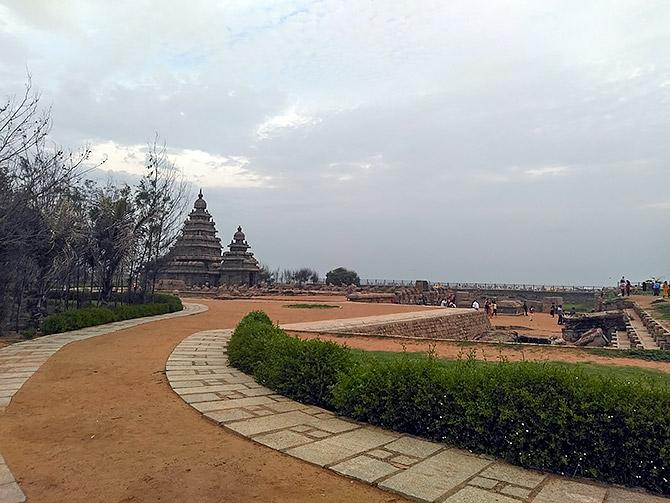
(196, 259)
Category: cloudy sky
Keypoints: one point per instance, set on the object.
(516, 141)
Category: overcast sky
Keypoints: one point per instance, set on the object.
(516, 141)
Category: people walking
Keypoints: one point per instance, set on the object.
(559, 312)
(666, 290)
(552, 311)
(628, 288)
(622, 286)
(494, 306)
(525, 308)
(475, 305)
(657, 288)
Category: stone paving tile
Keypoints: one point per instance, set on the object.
(11, 493)
(282, 439)
(200, 397)
(225, 416)
(365, 468)
(258, 425)
(471, 494)
(482, 482)
(518, 492)
(339, 447)
(334, 425)
(380, 453)
(403, 460)
(514, 475)
(433, 477)
(414, 447)
(568, 491)
(618, 495)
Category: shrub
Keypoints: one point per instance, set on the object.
(550, 417)
(74, 319)
(542, 416)
(303, 370)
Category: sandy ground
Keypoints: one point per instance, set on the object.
(99, 422)
(539, 324)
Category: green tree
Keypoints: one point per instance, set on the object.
(342, 277)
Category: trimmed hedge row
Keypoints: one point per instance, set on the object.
(74, 319)
(548, 417)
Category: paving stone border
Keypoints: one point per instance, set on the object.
(19, 361)
(424, 471)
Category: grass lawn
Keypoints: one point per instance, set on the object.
(607, 371)
(311, 306)
(662, 310)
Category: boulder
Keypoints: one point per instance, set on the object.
(594, 338)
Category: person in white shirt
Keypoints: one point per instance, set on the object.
(475, 305)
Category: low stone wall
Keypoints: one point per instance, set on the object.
(456, 324)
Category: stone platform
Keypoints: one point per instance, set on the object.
(424, 471)
(444, 323)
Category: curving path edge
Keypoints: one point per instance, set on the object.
(198, 372)
(19, 361)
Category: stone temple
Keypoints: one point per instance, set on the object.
(196, 258)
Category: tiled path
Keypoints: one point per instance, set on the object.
(198, 372)
(18, 362)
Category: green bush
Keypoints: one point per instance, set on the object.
(303, 370)
(74, 319)
(551, 417)
(547, 417)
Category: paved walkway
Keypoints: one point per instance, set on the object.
(18, 362)
(198, 372)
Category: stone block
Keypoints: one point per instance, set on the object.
(258, 425)
(568, 491)
(365, 468)
(283, 439)
(471, 494)
(414, 447)
(433, 477)
(513, 475)
(339, 447)
(11, 493)
(225, 416)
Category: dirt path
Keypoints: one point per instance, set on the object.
(98, 422)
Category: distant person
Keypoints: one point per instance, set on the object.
(452, 303)
(552, 311)
(559, 312)
(525, 308)
(644, 286)
(494, 306)
(475, 305)
(666, 290)
(532, 311)
(443, 303)
(628, 287)
(622, 286)
(573, 311)
(657, 288)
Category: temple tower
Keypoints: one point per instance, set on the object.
(195, 257)
(239, 267)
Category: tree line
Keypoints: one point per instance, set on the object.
(66, 240)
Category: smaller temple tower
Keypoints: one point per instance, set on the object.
(195, 257)
(239, 267)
